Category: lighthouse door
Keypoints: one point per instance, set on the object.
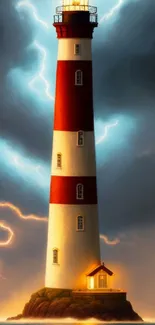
(102, 283)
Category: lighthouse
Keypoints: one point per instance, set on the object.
(73, 249)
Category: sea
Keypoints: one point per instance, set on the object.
(74, 322)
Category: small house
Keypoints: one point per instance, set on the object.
(99, 278)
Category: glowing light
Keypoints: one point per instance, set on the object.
(29, 5)
(107, 241)
(75, 2)
(112, 11)
(40, 74)
(74, 5)
(107, 127)
(10, 232)
(91, 282)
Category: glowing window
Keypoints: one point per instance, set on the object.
(78, 78)
(55, 256)
(77, 49)
(79, 191)
(59, 160)
(80, 223)
(80, 138)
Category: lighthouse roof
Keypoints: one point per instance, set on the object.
(99, 268)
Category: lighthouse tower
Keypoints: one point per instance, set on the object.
(73, 249)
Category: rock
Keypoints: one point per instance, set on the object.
(61, 303)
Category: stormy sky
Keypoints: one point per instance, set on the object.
(124, 91)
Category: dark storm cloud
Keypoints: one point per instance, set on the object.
(15, 35)
(124, 63)
(127, 199)
(27, 197)
(20, 119)
(24, 125)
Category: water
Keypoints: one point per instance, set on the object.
(73, 322)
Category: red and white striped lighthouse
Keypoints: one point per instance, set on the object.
(73, 248)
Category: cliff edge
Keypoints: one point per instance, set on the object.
(61, 303)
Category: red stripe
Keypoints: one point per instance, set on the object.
(73, 104)
(63, 190)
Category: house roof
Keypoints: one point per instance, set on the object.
(99, 268)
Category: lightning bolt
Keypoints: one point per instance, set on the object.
(4, 227)
(107, 241)
(19, 214)
(29, 5)
(40, 75)
(112, 11)
(107, 127)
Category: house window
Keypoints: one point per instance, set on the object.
(79, 191)
(80, 223)
(80, 138)
(77, 49)
(59, 160)
(55, 256)
(102, 281)
(78, 78)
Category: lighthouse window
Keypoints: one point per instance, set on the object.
(80, 138)
(59, 160)
(55, 256)
(78, 78)
(79, 191)
(77, 49)
(80, 223)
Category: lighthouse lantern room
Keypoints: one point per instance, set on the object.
(73, 249)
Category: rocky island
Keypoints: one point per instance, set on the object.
(63, 303)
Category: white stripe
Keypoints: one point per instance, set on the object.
(78, 252)
(66, 49)
(76, 161)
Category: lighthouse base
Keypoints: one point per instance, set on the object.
(63, 303)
